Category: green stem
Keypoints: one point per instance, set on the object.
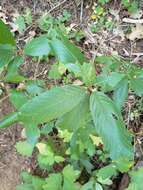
(9, 120)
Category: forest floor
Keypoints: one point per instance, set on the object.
(103, 42)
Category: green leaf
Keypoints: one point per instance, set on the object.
(68, 185)
(54, 72)
(88, 74)
(35, 87)
(20, 23)
(98, 187)
(38, 183)
(18, 98)
(25, 187)
(28, 16)
(76, 117)
(6, 36)
(51, 104)
(110, 63)
(105, 173)
(26, 177)
(136, 180)
(70, 174)
(48, 106)
(124, 165)
(89, 185)
(137, 86)
(65, 51)
(109, 125)
(24, 148)
(44, 149)
(53, 182)
(6, 54)
(109, 82)
(59, 159)
(45, 161)
(75, 68)
(121, 93)
(37, 47)
(12, 71)
(47, 128)
(32, 133)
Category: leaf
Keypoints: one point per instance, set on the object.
(121, 93)
(109, 82)
(65, 51)
(88, 186)
(37, 47)
(35, 87)
(124, 165)
(110, 63)
(24, 148)
(28, 16)
(137, 32)
(88, 74)
(109, 125)
(6, 54)
(26, 177)
(53, 182)
(59, 159)
(76, 117)
(75, 68)
(32, 133)
(107, 172)
(20, 23)
(38, 183)
(98, 187)
(51, 104)
(25, 187)
(68, 185)
(44, 149)
(54, 72)
(47, 128)
(12, 71)
(45, 161)
(70, 174)
(17, 98)
(47, 106)
(137, 86)
(136, 179)
(6, 36)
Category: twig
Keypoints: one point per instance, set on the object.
(81, 11)
(138, 54)
(36, 69)
(55, 7)
(4, 98)
(133, 21)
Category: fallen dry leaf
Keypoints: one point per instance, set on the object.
(137, 33)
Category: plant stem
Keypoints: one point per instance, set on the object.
(9, 120)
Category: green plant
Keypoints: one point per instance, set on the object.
(131, 5)
(100, 18)
(88, 117)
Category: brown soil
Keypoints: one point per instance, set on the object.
(11, 163)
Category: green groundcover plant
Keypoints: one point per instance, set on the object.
(87, 115)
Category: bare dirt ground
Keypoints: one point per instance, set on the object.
(11, 164)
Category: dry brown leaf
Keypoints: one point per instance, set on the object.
(137, 33)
